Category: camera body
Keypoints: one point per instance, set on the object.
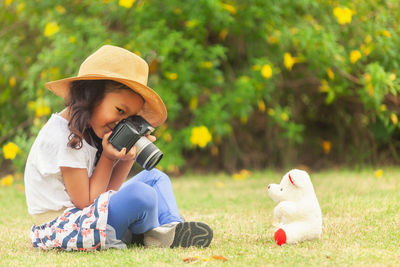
(132, 132)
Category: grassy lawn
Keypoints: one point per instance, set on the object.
(361, 224)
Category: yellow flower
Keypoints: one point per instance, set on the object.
(219, 184)
(230, 8)
(294, 30)
(10, 150)
(51, 29)
(20, 8)
(243, 119)
(271, 112)
(39, 93)
(167, 137)
(367, 77)
(385, 33)
(43, 74)
(326, 146)
(324, 87)
(343, 15)
(368, 39)
(60, 9)
(200, 136)
(378, 173)
(206, 64)
(289, 61)
(355, 55)
(7, 180)
(8, 2)
(272, 39)
(40, 107)
(72, 39)
(383, 107)
(173, 168)
(31, 105)
(177, 11)
(366, 49)
(222, 34)
(42, 110)
(242, 175)
(54, 72)
(36, 121)
(284, 116)
(394, 119)
(266, 71)
(370, 89)
(392, 77)
(137, 52)
(193, 103)
(330, 73)
(191, 23)
(261, 105)
(12, 81)
(126, 3)
(244, 78)
(172, 76)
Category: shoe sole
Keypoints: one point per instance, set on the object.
(195, 234)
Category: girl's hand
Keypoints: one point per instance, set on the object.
(113, 154)
(152, 138)
(131, 155)
(109, 151)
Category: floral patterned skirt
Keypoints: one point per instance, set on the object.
(75, 229)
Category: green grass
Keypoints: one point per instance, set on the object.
(361, 224)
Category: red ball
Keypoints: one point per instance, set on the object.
(280, 237)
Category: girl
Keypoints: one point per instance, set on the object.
(74, 178)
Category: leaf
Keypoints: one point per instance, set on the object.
(220, 258)
(190, 259)
(196, 258)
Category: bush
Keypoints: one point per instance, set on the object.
(247, 84)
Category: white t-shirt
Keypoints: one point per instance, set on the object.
(44, 186)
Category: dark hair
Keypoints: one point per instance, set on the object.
(84, 96)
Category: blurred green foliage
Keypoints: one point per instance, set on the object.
(274, 82)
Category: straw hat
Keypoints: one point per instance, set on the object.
(118, 64)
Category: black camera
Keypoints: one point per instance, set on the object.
(131, 132)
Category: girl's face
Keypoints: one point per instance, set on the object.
(115, 106)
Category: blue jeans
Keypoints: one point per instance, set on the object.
(142, 203)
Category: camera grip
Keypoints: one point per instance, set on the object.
(122, 137)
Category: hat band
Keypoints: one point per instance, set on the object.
(112, 76)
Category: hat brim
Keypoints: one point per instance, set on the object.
(153, 110)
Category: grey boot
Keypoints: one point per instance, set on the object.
(184, 234)
(161, 236)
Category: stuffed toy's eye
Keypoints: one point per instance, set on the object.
(281, 189)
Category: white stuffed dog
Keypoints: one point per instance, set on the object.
(297, 215)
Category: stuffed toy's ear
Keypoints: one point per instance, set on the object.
(297, 177)
(291, 180)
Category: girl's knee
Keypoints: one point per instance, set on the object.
(140, 194)
(150, 177)
(159, 175)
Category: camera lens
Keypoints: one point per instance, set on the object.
(148, 154)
